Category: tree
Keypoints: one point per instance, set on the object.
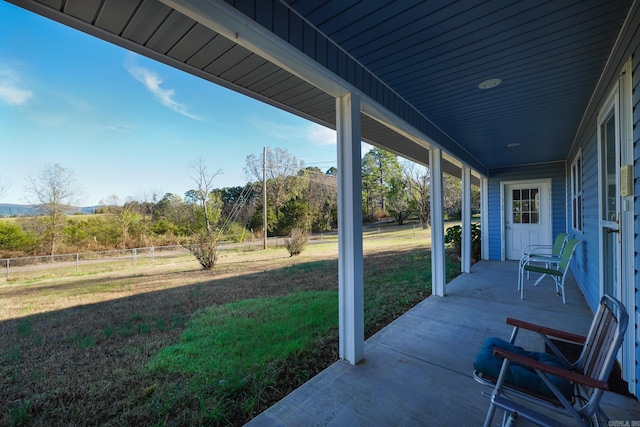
(172, 209)
(418, 179)
(379, 168)
(14, 239)
(127, 219)
(451, 195)
(398, 199)
(321, 193)
(281, 169)
(238, 203)
(54, 190)
(110, 205)
(204, 245)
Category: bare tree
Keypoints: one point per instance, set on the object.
(54, 190)
(451, 194)
(418, 181)
(205, 245)
(204, 187)
(280, 166)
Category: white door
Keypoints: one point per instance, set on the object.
(527, 216)
(609, 209)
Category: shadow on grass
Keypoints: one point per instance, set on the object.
(89, 363)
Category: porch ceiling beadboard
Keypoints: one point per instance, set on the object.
(422, 61)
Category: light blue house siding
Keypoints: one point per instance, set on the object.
(556, 171)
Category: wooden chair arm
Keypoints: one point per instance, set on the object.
(568, 336)
(550, 369)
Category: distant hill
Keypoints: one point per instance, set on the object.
(8, 209)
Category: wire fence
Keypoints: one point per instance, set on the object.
(28, 265)
(14, 266)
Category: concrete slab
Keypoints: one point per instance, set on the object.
(418, 370)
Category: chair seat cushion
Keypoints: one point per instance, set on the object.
(518, 375)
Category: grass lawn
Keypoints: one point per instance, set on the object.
(170, 344)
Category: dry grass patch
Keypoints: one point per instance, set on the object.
(77, 350)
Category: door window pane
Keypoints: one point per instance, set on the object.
(526, 206)
(609, 168)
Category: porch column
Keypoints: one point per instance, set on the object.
(350, 264)
(437, 224)
(466, 220)
(484, 217)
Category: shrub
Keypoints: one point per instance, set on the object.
(205, 249)
(453, 236)
(297, 241)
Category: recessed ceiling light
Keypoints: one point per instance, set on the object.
(489, 84)
(513, 144)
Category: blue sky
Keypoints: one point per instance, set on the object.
(124, 124)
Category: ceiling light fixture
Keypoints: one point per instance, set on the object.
(489, 84)
(513, 144)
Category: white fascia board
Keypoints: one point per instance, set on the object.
(393, 121)
(232, 24)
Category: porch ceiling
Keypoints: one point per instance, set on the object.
(431, 55)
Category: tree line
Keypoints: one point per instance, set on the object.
(297, 198)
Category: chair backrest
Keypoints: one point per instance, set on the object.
(558, 244)
(603, 342)
(567, 253)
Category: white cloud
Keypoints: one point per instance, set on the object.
(320, 135)
(125, 129)
(275, 129)
(153, 82)
(313, 133)
(10, 91)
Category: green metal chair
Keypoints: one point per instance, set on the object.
(541, 253)
(556, 268)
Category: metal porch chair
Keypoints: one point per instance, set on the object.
(556, 268)
(573, 389)
(540, 253)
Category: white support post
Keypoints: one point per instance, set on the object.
(484, 217)
(465, 264)
(350, 254)
(438, 277)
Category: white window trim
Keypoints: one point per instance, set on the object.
(575, 194)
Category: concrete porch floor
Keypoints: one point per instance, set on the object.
(418, 370)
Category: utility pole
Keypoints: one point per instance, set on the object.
(264, 197)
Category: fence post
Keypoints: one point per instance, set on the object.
(77, 261)
(7, 268)
(152, 254)
(133, 254)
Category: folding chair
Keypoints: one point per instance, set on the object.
(543, 252)
(557, 269)
(526, 382)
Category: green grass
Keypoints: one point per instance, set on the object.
(232, 354)
(231, 349)
(233, 340)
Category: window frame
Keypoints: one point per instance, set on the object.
(577, 188)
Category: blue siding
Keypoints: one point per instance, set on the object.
(636, 199)
(556, 171)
